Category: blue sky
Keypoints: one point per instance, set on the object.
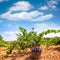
(40, 14)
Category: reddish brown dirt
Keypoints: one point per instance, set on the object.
(52, 53)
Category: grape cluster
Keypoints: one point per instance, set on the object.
(36, 49)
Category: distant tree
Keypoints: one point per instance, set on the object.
(1, 41)
(52, 41)
(1, 38)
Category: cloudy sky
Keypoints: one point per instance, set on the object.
(40, 14)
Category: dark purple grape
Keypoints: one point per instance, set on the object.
(33, 49)
(36, 49)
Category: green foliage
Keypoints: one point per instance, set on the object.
(22, 38)
(50, 41)
(33, 39)
(10, 48)
(30, 39)
(26, 40)
(2, 42)
(1, 38)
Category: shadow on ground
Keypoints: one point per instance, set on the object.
(57, 48)
(29, 58)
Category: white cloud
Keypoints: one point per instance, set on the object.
(44, 26)
(21, 6)
(52, 3)
(35, 14)
(3, 0)
(23, 14)
(43, 8)
(30, 16)
(44, 17)
(10, 35)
